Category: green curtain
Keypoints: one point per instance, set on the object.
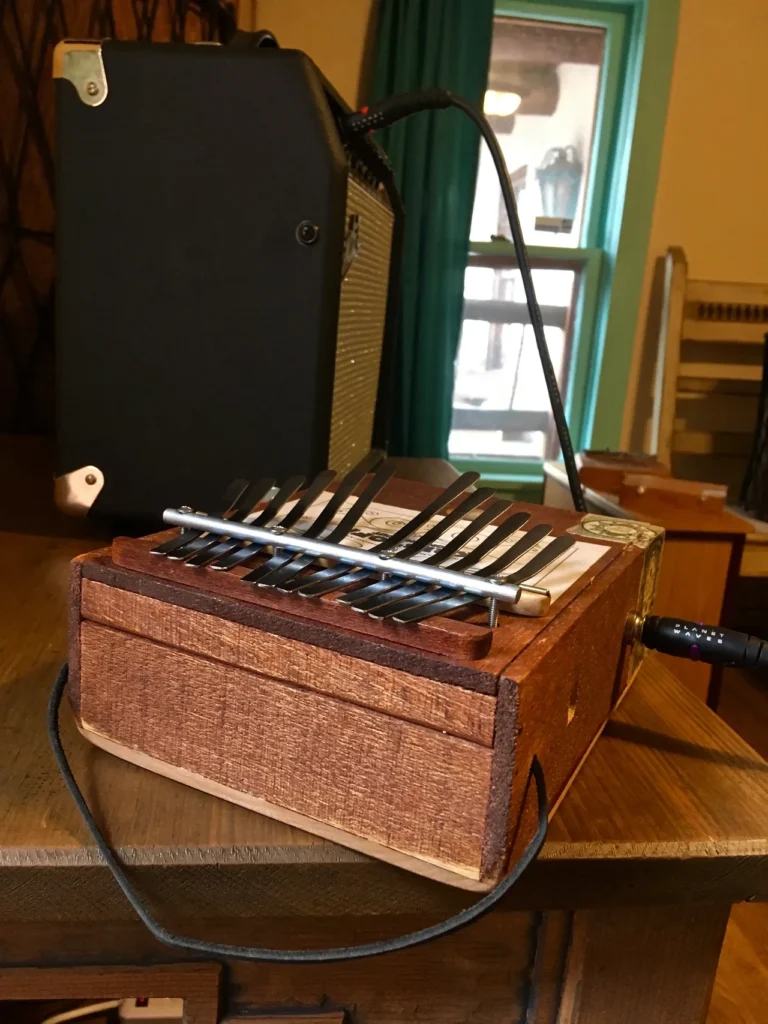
(425, 43)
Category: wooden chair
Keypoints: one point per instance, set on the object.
(708, 373)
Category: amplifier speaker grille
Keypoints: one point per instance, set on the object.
(362, 315)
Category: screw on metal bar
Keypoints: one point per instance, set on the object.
(186, 509)
(493, 606)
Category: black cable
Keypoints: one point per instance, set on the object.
(397, 107)
(307, 956)
(221, 15)
(714, 645)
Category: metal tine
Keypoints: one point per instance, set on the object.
(228, 504)
(389, 582)
(330, 579)
(461, 484)
(238, 551)
(402, 598)
(280, 576)
(369, 464)
(393, 590)
(253, 495)
(338, 576)
(407, 530)
(219, 547)
(510, 525)
(250, 497)
(532, 568)
(346, 487)
(536, 565)
(444, 594)
(540, 562)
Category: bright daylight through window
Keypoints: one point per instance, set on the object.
(542, 101)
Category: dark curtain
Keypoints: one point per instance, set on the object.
(425, 43)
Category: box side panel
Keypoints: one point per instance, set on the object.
(73, 625)
(408, 787)
(413, 698)
(495, 841)
(282, 619)
(564, 686)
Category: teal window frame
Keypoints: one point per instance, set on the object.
(631, 114)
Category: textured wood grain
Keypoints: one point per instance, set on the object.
(667, 767)
(740, 995)
(506, 969)
(287, 1017)
(471, 675)
(74, 614)
(485, 973)
(480, 974)
(197, 984)
(654, 495)
(563, 687)
(651, 818)
(287, 615)
(643, 964)
(548, 978)
(288, 817)
(470, 652)
(416, 699)
(513, 634)
(209, 636)
(721, 371)
(672, 519)
(460, 640)
(409, 787)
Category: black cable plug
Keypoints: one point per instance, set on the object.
(714, 645)
(396, 107)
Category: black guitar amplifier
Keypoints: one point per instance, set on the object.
(224, 287)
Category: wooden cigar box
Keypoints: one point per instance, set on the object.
(411, 742)
(605, 470)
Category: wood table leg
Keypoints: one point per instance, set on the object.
(641, 964)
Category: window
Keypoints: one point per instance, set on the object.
(562, 97)
(500, 403)
(548, 73)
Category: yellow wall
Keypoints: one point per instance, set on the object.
(712, 196)
(337, 35)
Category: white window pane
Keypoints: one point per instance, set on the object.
(549, 74)
(500, 401)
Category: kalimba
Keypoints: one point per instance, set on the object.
(372, 660)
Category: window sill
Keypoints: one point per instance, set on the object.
(522, 478)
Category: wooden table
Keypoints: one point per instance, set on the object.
(621, 918)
